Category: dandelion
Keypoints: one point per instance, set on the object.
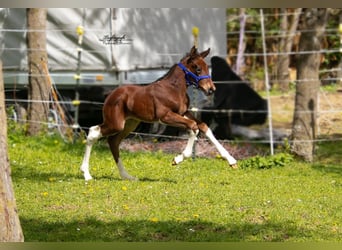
(124, 188)
(154, 219)
(125, 207)
(196, 216)
(45, 194)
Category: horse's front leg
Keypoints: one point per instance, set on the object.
(176, 120)
(223, 152)
(209, 134)
(187, 152)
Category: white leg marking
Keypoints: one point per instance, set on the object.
(223, 152)
(188, 149)
(85, 163)
(123, 173)
(93, 135)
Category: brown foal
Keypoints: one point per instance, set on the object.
(165, 101)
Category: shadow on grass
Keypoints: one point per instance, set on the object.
(329, 157)
(147, 230)
(27, 172)
(328, 169)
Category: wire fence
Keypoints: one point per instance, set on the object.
(56, 123)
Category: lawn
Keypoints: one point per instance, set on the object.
(198, 200)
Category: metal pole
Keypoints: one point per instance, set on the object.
(269, 110)
(76, 102)
(195, 32)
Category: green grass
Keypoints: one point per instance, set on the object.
(201, 200)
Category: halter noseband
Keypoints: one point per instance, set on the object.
(189, 75)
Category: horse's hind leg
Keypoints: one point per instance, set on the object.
(93, 135)
(114, 143)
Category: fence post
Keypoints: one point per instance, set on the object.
(76, 102)
(267, 85)
(195, 33)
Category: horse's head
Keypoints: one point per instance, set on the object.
(196, 71)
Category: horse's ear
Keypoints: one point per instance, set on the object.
(193, 52)
(205, 53)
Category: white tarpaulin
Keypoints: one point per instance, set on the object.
(114, 39)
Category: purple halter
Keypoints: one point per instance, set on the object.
(189, 75)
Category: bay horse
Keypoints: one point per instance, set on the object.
(165, 101)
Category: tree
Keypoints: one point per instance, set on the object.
(240, 61)
(38, 91)
(10, 228)
(339, 73)
(288, 33)
(304, 125)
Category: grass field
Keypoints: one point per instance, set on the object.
(200, 200)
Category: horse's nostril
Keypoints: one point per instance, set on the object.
(210, 92)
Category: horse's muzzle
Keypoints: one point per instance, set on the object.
(210, 91)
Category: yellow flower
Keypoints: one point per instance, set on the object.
(45, 193)
(124, 188)
(218, 156)
(154, 219)
(195, 216)
(125, 207)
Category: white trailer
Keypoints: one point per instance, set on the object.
(122, 44)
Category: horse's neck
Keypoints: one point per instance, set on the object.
(175, 78)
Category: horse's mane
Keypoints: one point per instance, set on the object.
(167, 73)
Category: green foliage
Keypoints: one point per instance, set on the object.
(272, 19)
(266, 162)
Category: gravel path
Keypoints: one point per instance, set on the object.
(203, 147)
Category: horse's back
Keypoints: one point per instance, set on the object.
(134, 101)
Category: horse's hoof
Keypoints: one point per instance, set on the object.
(234, 166)
(130, 178)
(178, 159)
(87, 177)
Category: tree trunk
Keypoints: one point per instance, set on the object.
(10, 229)
(240, 64)
(339, 73)
(38, 87)
(286, 42)
(304, 125)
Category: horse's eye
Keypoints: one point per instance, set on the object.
(198, 71)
